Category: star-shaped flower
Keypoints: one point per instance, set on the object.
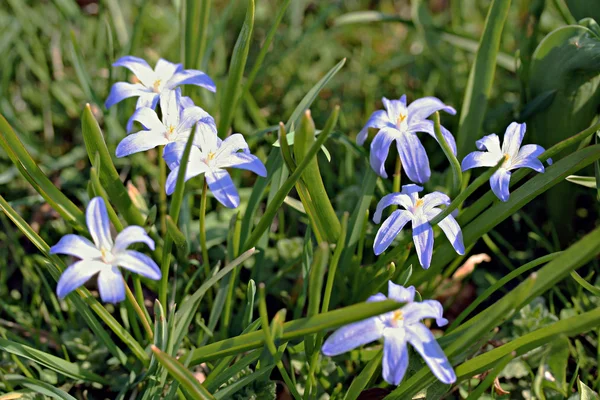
(397, 328)
(210, 158)
(513, 154)
(400, 123)
(419, 211)
(165, 77)
(176, 125)
(103, 256)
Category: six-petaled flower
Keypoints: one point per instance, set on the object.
(397, 328)
(400, 123)
(211, 157)
(513, 154)
(153, 83)
(419, 211)
(103, 256)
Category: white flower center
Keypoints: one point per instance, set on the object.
(418, 204)
(170, 132)
(156, 86)
(107, 256)
(209, 157)
(402, 122)
(397, 318)
(507, 160)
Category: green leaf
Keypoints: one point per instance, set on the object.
(234, 89)
(185, 378)
(54, 363)
(585, 393)
(583, 9)
(362, 380)
(481, 78)
(294, 330)
(587, 181)
(36, 386)
(585, 284)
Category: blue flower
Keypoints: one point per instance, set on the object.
(152, 83)
(401, 123)
(211, 157)
(419, 211)
(176, 125)
(514, 156)
(103, 256)
(397, 328)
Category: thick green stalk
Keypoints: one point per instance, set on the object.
(202, 221)
(454, 164)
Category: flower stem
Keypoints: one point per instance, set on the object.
(162, 180)
(454, 164)
(139, 312)
(203, 230)
(397, 175)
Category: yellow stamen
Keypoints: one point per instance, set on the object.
(105, 255)
(156, 85)
(419, 203)
(401, 119)
(211, 155)
(397, 316)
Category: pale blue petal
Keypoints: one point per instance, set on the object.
(423, 239)
(479, 159)
(123, 90)
(147, 117)
(490, 143)
(130, 235)
(434, 199)
(352, 336)
(149, 99)
(186, 102)
(390, 228)
(500, 183)
(141, 141)
(528, 158)
(165, 70)
(97, 222)
(423, 341)
(232, 144)
(243, 161)
(395, 108)
(111, 285)
(414, 158)
(139, 263)
(222, 187)
(379, 119)
(428, 127)
(191, 115)
(415, 312)
(402, 199)
(170, 107)
(400, 293)
(513, 138)
(76, 275)
(376, 297)
(380, 148)
(76, 246)
(422, 108)
(192, 77)
(395, 356)
(453, 233)
(194, 168)
(206, 138)
(139, 67)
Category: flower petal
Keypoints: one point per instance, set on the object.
(186, 102)
(423, 341)
(191, 115)
(243, 161)
(428, 127)
(513, 138)
(423, 238)
(490, 143)
(380, 148)
(111, 285)
(395, 108)
(192, 77)
(480, 159)
(402, 199)
(390, 228)
(352, 336)
(500, 183)
(400, 293)
(414, 158)
(206, 138)
(379, 119)
(123, 90)
(528, 158)
(147, 99)
(415, 312)
(434, 199)
(97, 222)
(76, 246)
(232, 144)
(376, 297)
(139, 263)
(222, 187)
(165, 70)
(130, 235)
(141, 141)
(147, 117)
(170, 107)
(76, 275)
(422, 108)
(194, 168)
(453, 233)
(395, 356)
(139, 67)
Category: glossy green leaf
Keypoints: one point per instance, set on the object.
(585, 392)
(36, 386)
(587, 181)
(366, 375)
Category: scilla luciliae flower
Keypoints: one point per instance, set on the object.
(400, 123)
(211, 156)
(153, 83)
(419, 211)
(513, 154)
(103, 256)
(397, 329)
